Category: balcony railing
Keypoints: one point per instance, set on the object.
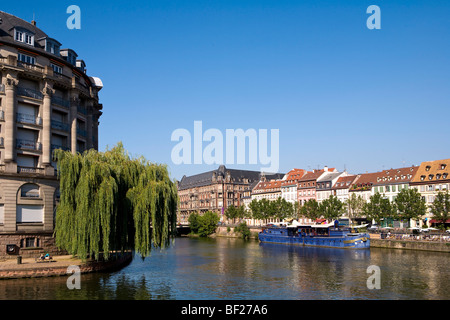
(61, 102)
(30, 66)
(29, 119)
(26, 92)
(21, 169)
(58, 125)
(56, 146)
(28, 145)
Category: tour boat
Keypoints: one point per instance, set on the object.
(319, 235)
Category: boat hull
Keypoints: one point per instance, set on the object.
(347, 242)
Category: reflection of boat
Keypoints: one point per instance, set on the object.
(321, 235)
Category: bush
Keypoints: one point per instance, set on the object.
(243, 229)
(194, 222)
(208, 223)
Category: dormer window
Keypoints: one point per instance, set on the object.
(422, 178)
(444, 176)
(438, 176)
(427, 168)
(431, 176)
(23, 35)
(443, 166)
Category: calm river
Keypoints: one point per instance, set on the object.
(223, 268)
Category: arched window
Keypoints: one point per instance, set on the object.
(29, 190)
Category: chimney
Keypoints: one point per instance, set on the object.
(33, 23)
(325, 168)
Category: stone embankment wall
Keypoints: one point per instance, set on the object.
(375, 241)
(223, 232)
(46, 244)
(51, 271)
(410, 245)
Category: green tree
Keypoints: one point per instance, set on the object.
(331, 208)
(282, 209)
(355, 205)
(262, 209)
(310, 209)
(378, 208)
(440, 208)
(232, 213)
(194, 222)
(410, 205)
(109, 201)
(208, 223)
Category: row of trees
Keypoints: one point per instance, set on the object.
(409, 204)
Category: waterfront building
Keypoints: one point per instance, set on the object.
(431, 178)
(306, 188)
(289, 185)
(215, 190)
(325, 183)
(390, 182)
(47, 102)
(270, 190)
(342, 186)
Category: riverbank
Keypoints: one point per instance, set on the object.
(29, 268)
(375, 241)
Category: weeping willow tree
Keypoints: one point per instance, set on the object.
(111, 202)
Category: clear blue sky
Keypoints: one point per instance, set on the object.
(340, 94)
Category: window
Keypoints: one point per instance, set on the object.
(25, 58)
(19, 36)
(28, 39)
(431, 176)
(22, 35)
(443, 166)
(427, 168)
(29, 191)
(56, 69)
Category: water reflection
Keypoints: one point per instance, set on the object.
(221, 268)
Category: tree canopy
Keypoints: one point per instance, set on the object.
(109, 201)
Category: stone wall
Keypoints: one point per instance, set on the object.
(45, 244)
(410, 245)
(49, 271)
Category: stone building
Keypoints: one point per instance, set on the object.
(215, 191)
(47, 102)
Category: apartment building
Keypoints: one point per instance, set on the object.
(47, 102)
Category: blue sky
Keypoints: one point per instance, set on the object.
(340, 94)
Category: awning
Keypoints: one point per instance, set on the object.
(436, 221)
(321, 220)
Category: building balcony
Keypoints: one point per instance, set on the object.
(26, 92)
(61, 102)
(21, 169)
(55, 146)
(30, 66)
(28, 119)
(24, 144)
(58, 125)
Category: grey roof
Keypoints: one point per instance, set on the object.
(9, 22)
(237, 176)
(329, 176)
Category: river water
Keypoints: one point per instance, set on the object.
(233, 269)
